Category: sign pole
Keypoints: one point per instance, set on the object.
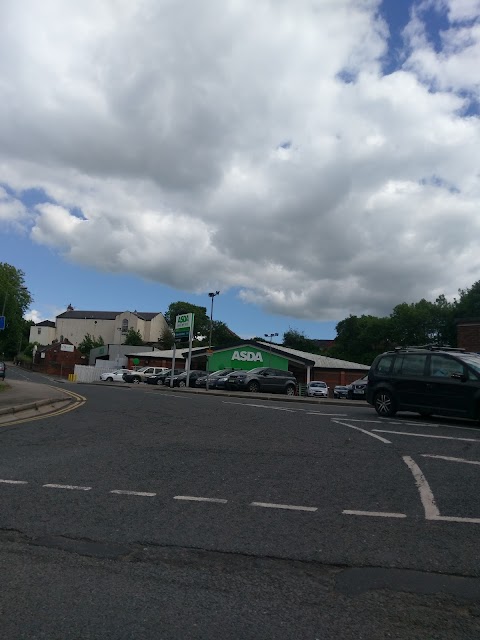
(173, 363)
(189, 359)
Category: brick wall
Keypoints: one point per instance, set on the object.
(468, 336)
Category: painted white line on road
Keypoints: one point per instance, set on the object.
(122, 492)
(374, 514)
(200, 499)
(172, 395)
(439, 426)
(367, 421)
(260, 406)
(13, 482)
(321, 413)
(455, 519)
(67, 486)
(426, 435)
(450, 459)
(426, 495)
(368, 433)
(290, 507)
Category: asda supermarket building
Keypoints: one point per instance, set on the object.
(249, 354)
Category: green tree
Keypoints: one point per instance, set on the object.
(423, 322)
(14, 302)
(468, 303)
(28, 351)
(360, 339)
(201, 320)
(166, 339)
(295, 339)
(222, 336)
(133, 338)
(89, 343)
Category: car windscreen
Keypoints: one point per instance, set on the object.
(472, 359)
(256, 370)
(318, 384)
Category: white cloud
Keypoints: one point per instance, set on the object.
(13, 213)
(214, 145)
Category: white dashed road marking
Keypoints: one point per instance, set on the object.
(368, 433)
(67, 486)
(450, 459)
(13, 482)
(290, 507)
(426, 435)
(199, 499)
(122, 492)
(375, 514)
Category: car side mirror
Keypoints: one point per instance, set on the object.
(459, 376)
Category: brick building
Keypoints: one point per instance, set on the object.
(58, 359)
(468, 334)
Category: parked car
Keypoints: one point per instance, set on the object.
(427, 380)
(263, 379)
(114, 376)
(357, 390)
(221, 381)
(163, 378)
(141, 374)
(212, 378)
(3, 369)
(340, 391)
(317, 388)
(181, 379)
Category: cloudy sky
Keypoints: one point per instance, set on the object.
(308, 158)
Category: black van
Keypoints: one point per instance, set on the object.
(427, 380)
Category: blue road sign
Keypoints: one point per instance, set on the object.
(2, 323)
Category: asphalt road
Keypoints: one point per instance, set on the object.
(148, 513)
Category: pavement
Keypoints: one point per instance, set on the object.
(29, 399)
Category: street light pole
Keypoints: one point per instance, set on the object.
(270, 335)
(211, 295)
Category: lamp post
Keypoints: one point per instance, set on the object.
(211, 295)
(271, 336)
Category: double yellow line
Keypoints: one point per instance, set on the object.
(80, 400)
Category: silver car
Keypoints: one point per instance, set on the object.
(317, 389)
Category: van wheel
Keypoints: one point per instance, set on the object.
(290, 390)
(254, 387)
(385, 404)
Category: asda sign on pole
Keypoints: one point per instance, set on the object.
(184, 326)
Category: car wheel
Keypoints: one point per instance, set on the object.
(109, 379)
(384, 404)
(254, 387)
(136, 380)
(290, 390)
(182, 383)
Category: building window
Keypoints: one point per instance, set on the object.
(125, 325)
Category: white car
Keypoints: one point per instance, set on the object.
(317, 389)
(114, 376)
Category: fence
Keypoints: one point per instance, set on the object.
(84, 373)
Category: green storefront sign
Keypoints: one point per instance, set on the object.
(246, 357)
